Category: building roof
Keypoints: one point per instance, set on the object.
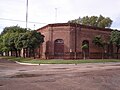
(74, 25)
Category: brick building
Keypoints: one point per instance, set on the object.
(64, 41)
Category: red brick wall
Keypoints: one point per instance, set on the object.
(53, 33)
(45, 32)
(73, 36)
(89, 34)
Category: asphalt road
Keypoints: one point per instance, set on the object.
(100, 76)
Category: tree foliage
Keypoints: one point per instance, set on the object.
(16, 38)
(98, 41)
(115, 39)
(84, 47)
(13, 29)
(102, 22)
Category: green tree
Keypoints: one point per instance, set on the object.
(97, 40)
(1, 45)
(16, 38)
(115, 39)
(8, 36)
(29, 41)
(13, 29)
(35, 40)
(102, 22)
(93, 20)
(85, 20)
(5, 43)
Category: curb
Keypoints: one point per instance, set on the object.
(25, 63)
(39, 64)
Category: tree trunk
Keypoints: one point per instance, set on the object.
(7, 53)
(39, 52)
(16, 53)
(34, 53)
(84, 55)
(11, 53)
(19, 53)
(2, 53)
(117, 51)
(30, 54)
(24, 52)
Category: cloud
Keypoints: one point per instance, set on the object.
(116, 23)
(44, 11)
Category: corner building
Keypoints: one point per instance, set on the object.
(65, 40)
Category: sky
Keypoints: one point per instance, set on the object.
(43, 12)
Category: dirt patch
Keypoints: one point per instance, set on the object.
(60, 77)
(46, 80)
(116, 65)
(89, 67)
(6, 61)
(1, 85)
(22, 70)
(25, 75)
(60, 68)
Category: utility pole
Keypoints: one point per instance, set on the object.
(34, 26)
(55, 15)
(26, 14)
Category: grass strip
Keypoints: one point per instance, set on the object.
(39, 61)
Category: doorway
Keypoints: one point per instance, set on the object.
(59, 49)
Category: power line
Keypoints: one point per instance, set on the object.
(19, 21)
